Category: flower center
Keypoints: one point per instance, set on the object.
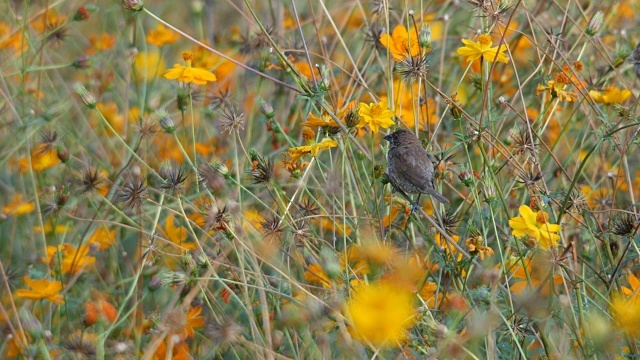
(376, 110)
(542, 217)
(187, 56)
(561, 78)
(485, 40)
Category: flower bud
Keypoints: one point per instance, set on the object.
(166, 122)
(221, 168)
(595, 23)
(133, 5)
(424, 38)
(82, 62)
(87, 97)
(265, 108)
(81, 14)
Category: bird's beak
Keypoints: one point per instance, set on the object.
(388, 137)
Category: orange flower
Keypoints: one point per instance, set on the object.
(401, 43)
(188, 74)
(18, 207)
(194, 321)
(100, 43)
(41, 289)
(178, 351)
(99, 310)
(102, 238)
(110, 112)
(177, 234)
(161, 36)
(66, 258)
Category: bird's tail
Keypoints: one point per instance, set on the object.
(438, 196)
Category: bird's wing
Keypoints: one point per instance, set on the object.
(416, 169)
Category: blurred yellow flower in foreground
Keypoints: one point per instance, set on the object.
(41, 289)
(475, 50)
(313, 149)
(626, 311)
(381, 313)
(148, 65)
(188, 74)
(610, 95)
(18, 207)
(375, 116)
(535, 225)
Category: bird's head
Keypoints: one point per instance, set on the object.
(401, 137)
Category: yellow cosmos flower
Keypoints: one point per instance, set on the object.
(41, 289)
(557, 90)
(626, 312)
(401, 43)
(187, 74)
(18, 207)
(375, 116)
(535, 225)
(482, 49)
(161, 36)
(178, 235)
(634, 292)
(610, 95)
(41, 159)
(148, 65)
(313, 149)
(381, 313)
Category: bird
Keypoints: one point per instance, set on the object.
(410, 169)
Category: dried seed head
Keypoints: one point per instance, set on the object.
(272, 226)
(83, 344)
(231, 120)
(49, 141)
(262, 171)
(352, 119)
(174, 178)
(413, 67)
(89, 180)
(624, 225)
(308, 208)
(225, 333)
(210, 178)
(217, 218)
(132, 192)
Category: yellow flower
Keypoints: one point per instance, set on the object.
(187, 74)
(67, 258)
(475, 50)
(352, 260)
(557, 90)
(401, 43)
(300, 151)
(634, 292)
(148, 65)
(535, 225)
(610, 95)
(375, 116)
(161, 36)
(41, 159)
(102, 238)
(476, 246)
(627, 313)
(381, 313)
(41, 289)
(100, 43)
(18, 207)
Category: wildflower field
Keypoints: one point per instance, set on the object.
(210, 179)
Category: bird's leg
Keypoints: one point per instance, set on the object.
(416, 204)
